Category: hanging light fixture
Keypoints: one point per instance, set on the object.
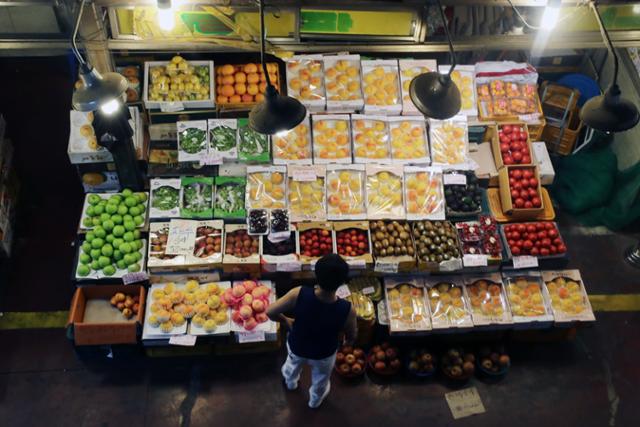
(435, 95)
(609, 112)
(277, 113)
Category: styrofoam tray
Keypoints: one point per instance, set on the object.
(106, 196)
(95, 275)
(149, 332)
(269, 326)
(223, 329)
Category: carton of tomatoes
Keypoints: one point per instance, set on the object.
(539, 239)
(353, 243)
(511, 144)
(314, 240)
(520, 191)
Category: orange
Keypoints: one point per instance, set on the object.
(228, 80)
(235, 99)
(240, 88)
(259, 97)
(227, 90)
(247, 98)
(253, 78)
(250, 68)
(227, 69)
(252, 89)
(240, 77)
(272, 68)
(262, 87)
(222, 99)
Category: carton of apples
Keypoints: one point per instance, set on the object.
(511, 144)
(249, 300)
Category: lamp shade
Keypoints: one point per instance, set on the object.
(610, 112)
(97, 89)
(435, 95)
(276, 113)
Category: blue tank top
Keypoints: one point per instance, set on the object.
(317, 325)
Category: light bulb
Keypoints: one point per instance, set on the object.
(110, 107)
(550, 17)
(166, 20)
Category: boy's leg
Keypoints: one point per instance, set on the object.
(291, 369)
(320, 380)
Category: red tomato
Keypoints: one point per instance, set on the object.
(517, 186)
(546, 242)
(507, 160)
(512, 181)
(533, 192)
(527, 173)
(549, 226)
(531, 228)
(507, 128)
(544, 252)
(553, 250)
(557, 241)
(519, 203)
(526, 159)
(533, 182)
(515, 250)
(517, 174)
(524, 183)
(528, 204)
(517, 157)
(522, 228)
(552, 233)
(561, 249)
(511, 242)
(504, 139)
(528, 244)
(515, 235)
(536, 202)
(535, 252)
(524, 194)
(515, 194)
(542, 235)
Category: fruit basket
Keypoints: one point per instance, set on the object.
(381, 87)
(421, 363)
(408, 140)
(457, 365)
(345, 192)
(187, 82)
(487, 300)
(409, 69)
(305, 81)
(342, 83)
(243, 85)
(493, 362)
(370, 135)
(307, 198)
(167, 313)
(384, 360)
(568, 297)
(350, 362)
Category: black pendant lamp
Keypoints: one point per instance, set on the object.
(277, 113)
(435, 95)
(609, 112)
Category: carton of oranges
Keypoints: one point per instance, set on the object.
(424, 193)
(464, 77)
(266, 187)
(345, 192)
(306, 193)
(381, 87)
(385, 195)
(243, 84)
(293, 147)
(408, 140)
(409, 69)
(449, 142)
(370, 139)
(342, 83)
(332, 139)
(305, 81)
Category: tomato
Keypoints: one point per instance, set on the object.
(557, 241)
(522, 228)
(549, 226)
(511, 242)
(552, 233)
(504, 147)
(533, 192)
(553, 250)
(508, 160)
(544, 252)
(519, 203)
(515, 250)
(512, 181)
(562, 249)
(536, 202)
(542, 235)
(528, 244)
(531, 228)
(535, 252)
(504, 139)
(515, 194)
(507, 128)
(524, 183)
(515, 235)
(517, 186)
(533, 182)
(520, 243)
(517, 174)
(527, 174)
(524, 194)
(526, 159)
(528, 204)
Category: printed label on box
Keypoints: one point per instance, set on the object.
(368, 290)
(183, 340)
(289, 266)
(454, 179)
(136, 277)
(182, 237)
(250, 336)
(171, 107)
(386, 267)
(475, 260)
(525, 261)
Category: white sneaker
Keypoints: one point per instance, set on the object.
(291, 386)
(314, 405)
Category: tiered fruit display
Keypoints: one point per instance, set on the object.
(350, 361)
(208, 242)
(436, 241)
(464, 199)
(345, 193)
(514, 147)
(524, 188)
(494, 361)
(525, 297)
(486, 298)
(294, 145)
(342, 80)
(248, 301)
(421, 362)
(240, 244)
(332, 140)
(539, 239)
(212, 313)
(128, 305)
(243, 84)
(449, 142)
(384, 359)
(305, 79)
(384, 195)
(458, 365)
(114, 242)
(179, 81)
(352, 242)
(408, 140)
(307, 198)
(380, 85)
(447, 302)
(265, 190)
(566, 295)
(424, 193)
(316, 242)
(391, 238)
(407, 307)
(370, 139)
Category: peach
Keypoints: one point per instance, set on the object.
(250, 324)
(262, 317)
(238, 291)
(247, 299)
(245, 312)
(235, 316)
(258, 306)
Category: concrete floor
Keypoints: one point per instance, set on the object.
(590, 381)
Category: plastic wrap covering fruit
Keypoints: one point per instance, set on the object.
(192, 140)
(305, 80)
(385, 192)
(331, 139)
(223, 137)
(345, 192)
(370, 139)
(424, 193)
(197, 197)
(568, 296)
(169, 308)
(363, 305)
(408, 139)
(266, 187)
(165, 198)
(342, 82)
(208, 242)
(449, 142)
(294, 146)
(487, 300)
(407, 307)
(258, 222)
(447, 304)
(480, 237)
(280, 248)
(381, 87)
(252, 146)
(409, 69)
(526, 298)
(464, 78)
(230, 197)
(307, 198)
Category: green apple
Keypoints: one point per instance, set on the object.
(111, 208)
(98, 209)
(136, 234)
(133, 268)
(83, 270)
(121, 264)
(138, 255)
(109, 270)
(90, 236)
(142, 197)
(104, 261)
(107, 250)
(130, 201)
(128, 236)
(108, 225)
(90, 211)
(125, 248)
(134, 211)
(87, 222)
(105, 217)
(95, 265)
(126, 192)
(118, 231)
(127, 217)
(117, 219)
(97, 243)
(86, 247)
(129, 259)
(110, 238)
(117, 242)
(122, 210)
(85, 259)
(99, 232)
(96, 221)
(95, 254)
(138, 219)
(94, 199)
(129, 225)
(117, 255)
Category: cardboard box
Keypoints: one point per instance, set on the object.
(542, 159)
(505, 194)
(257, 196)
(109, 332)
(274, 73)
(495, 142)
(424, 193)
(309, 262)
(408, 140)
(381, 194)
(302, 69)
(345, 199)
(481, 296)
(293, 147)
(200, 260)
(451, 311)
(483, 158)
(206, 103)
(393, 264)
(562, 287)
(358, 262)
(234, 264)
(322, 140)
(157, 260)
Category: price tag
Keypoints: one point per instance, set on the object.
(303, 174)
(136, 277)
(278, 236)
(386, 267)
(525, 261)
(357, 264)
(211, 159)
(183, 340)
(182, 237)
(250, 336)
(529, 118)
(464, 403)
(343, 291)
(475, 260)
(289, 266)
(369, 290)
(454, 179)
(171, 107)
